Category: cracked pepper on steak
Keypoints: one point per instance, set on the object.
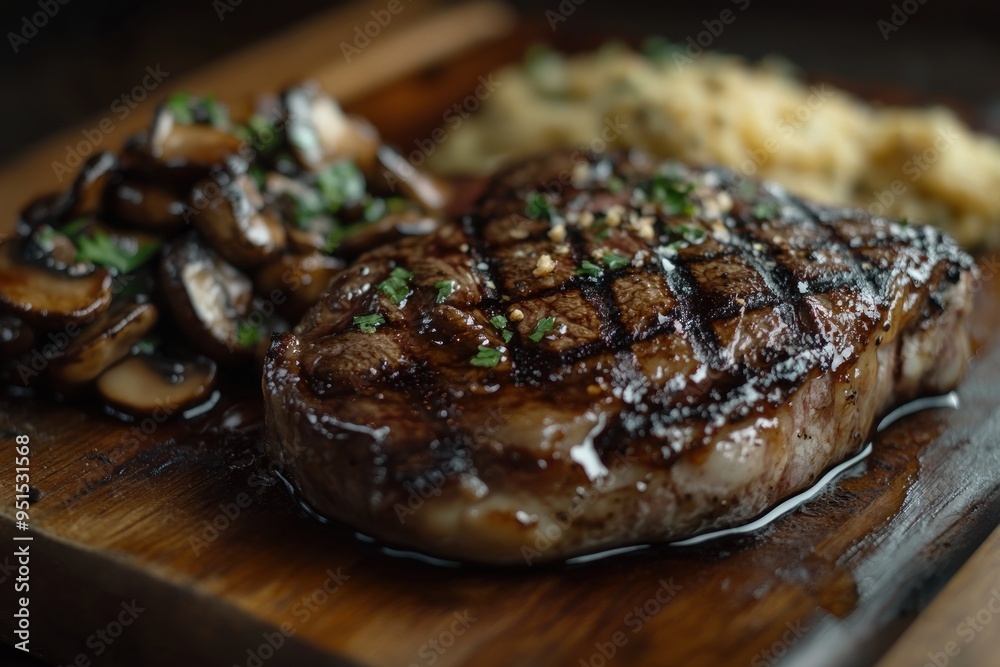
(607, 351)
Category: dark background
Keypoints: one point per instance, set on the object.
(90, 52)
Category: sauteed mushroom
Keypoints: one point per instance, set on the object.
(276, 202)
(177, 143)
(103, 342)
(47, 246)
(86, 194)
(394, 175)
(147, 205)
(234, 219)
(47, 297)
(364, 237)
(296, 281)
(292, 198)
(320, 132)
(207, 296)
(145, 384)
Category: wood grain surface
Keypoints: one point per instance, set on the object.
(179, 528)
(961, 627)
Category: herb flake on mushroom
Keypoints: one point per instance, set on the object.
(47, 297)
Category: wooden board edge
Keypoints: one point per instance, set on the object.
(131, 607)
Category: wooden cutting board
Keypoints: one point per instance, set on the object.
(166, 543)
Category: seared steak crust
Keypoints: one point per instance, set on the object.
(607, 351)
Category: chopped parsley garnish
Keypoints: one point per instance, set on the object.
(368, 323)
(589, 269)
(500, 322)
(46, 237)
(544, 326)
(905, 222)
(746, 190)
(304, 138)
(397, 204)
(765, 209)
(396, 286)
(672, 194)
(260, 133)
(308, 207)
(601, 229)
(691, 234)
(256, 172)
(341, 184)
(341, 232)
(445, 289)
(537, 206)
(247, 335)
(660, 49)
(188, 109)
(146, 346)
(614, 261)
(180, 106)
(374, 209)
(487, 357)
(217, 115)
(101, 249)
(615, 185)
(74, 227)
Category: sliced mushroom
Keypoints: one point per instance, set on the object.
(128, 239)
(147, 205)
(320, 132)
(234, 219)
(40, 211)
(87, 192)
(102, 342)
(16, 337)
(177, 144)
(394, 175)
(208, 298)
(310, 240)
(46, 297)
(144, 385)
(84, 197)
(51, 248)
(366, 236)
(179, 176)
(288, 196)
(296, 282)
(77, 246)
(368, 141)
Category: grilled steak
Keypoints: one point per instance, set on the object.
(606, 351)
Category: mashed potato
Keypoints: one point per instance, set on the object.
(818, 141)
